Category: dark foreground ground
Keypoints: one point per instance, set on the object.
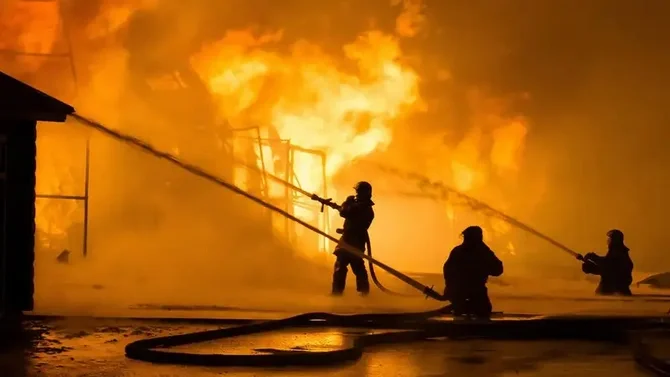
(86, 346)
(95, 347)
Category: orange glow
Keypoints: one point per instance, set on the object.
(114, 15)
(508, 145)
(472, 169)
(410, 21)
(35, 29)
(334, 109)
(309, 99)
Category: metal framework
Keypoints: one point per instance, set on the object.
(78, 198)
(69, 55)
(300, 200)
(66, 35)
(289, 198)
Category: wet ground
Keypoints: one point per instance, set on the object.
(84, 346)
(95, 348)
(81, 345)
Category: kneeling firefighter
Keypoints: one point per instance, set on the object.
(466, 273)
(358, 215)
(615, 268)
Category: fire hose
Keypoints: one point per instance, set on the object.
(411, 326)
(146, 147)
(424, 184)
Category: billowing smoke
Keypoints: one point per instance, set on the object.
(551, 111)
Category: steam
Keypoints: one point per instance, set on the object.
(579, 155)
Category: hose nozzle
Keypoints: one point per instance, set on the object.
(324, 202)
(586, 259)
(430, 292)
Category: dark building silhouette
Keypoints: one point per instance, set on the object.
(21, 107)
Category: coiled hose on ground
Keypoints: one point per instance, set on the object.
(408, 326)
(402, 328)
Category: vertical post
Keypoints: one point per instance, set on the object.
(289, 193)
(264, 178)
(289, 178)
(86, 181)
(233, 166)
(68, 41)
(326, 217)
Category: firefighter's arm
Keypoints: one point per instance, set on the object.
(592, 264)
(495, 265)
(450, 265)
(348, 207)
(446, 270)
(326, 202)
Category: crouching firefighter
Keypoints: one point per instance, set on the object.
(615, 268)
(358, 215)
(466, 273)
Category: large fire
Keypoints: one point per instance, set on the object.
(344, 108)
(472, 169)
(35, 29)
(309, 100)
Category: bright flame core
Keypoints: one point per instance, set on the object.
(310, 100)
(335, 110)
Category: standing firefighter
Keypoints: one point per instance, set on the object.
(615, 268)
(466, 272)
(358, 215)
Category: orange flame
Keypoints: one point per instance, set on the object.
(34, 28)
(472, 168)
(309, 99)
(411, 20)
(344, 108)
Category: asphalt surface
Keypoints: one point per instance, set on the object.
(82, 345)
(94, 347)
(85, 346)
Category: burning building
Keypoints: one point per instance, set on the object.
(242, 93)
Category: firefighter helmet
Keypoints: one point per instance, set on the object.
(473, 233)
(363, 189)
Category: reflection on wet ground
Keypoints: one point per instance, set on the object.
(94, 347)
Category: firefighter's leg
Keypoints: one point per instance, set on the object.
(453, 299)
(362, 282)
(480, 304)
(605, 289)
(340, 275)
(458, 303)
(624, 290)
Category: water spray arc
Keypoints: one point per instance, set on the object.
(424, 184)
(415, 326)
(428, 291)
